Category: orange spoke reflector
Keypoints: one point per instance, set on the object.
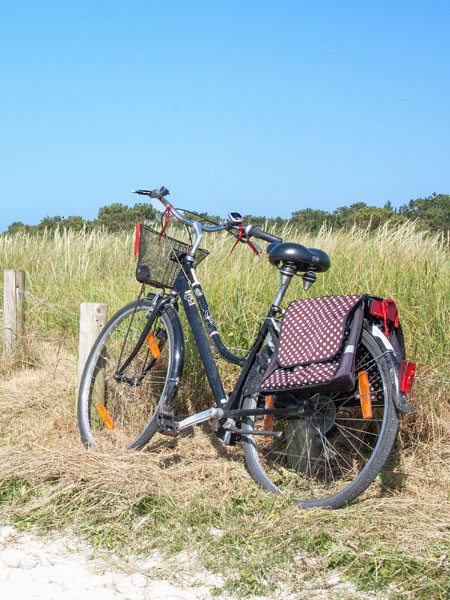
(153, 345)
(105, 415)
(268, 419)
(364, 394)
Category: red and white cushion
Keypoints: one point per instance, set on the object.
(311, 341)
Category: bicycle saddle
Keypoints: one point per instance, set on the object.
(304, 259)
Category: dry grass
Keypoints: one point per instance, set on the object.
(195, 495)
(411, 266)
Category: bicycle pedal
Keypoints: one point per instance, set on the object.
(167, 425)
(169, 433)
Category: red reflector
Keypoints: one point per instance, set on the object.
(384, 309)
(407, 371)
(137, 239)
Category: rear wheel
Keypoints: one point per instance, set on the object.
(328, 454)
(118, 410)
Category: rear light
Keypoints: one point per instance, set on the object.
(407, 371)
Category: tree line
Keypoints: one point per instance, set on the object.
(432, 212)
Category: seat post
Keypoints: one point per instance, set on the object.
(287, 272)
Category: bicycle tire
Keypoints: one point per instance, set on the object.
(328, 457)
(131, 402)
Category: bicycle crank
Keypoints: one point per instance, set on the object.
(205, 415)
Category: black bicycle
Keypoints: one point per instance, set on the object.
(322, 448)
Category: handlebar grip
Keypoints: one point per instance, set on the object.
(263, 235)
(158, 194)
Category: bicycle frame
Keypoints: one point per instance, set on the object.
(192, 301)
(188, 288)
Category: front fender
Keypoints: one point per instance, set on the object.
(178, 360)
(393, 361)
(170, 307)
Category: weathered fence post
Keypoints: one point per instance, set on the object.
(13, 309)
(93, 317)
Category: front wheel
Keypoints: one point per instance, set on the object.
(117, 406)
(327, 454)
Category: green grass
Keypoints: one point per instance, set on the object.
(207, 507)
(194, 496)
(66, 269)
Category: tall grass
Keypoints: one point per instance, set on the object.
(413, 267)
(196, 496)
(68, 268)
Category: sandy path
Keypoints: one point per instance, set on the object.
(61, 568)
(33, 568)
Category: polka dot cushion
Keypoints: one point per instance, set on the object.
(283, 379)
(311, 342)
(313, 329)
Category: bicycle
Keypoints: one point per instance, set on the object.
(320, 448)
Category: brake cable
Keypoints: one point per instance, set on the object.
(244, 241)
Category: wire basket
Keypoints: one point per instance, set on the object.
(160, 258)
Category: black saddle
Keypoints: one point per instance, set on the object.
(304, 259)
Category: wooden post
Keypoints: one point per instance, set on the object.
(93, 317)
(13, 309)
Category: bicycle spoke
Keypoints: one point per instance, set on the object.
(132, 396)
(322, 453)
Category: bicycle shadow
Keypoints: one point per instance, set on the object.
(177, 451)
(229, 452)
(164, 444)
(391, 480)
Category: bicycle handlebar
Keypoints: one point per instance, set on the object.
(253, 231)
(249, 230)
(160, 195)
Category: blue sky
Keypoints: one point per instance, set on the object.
(262, 107)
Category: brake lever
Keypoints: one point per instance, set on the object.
(245, 240)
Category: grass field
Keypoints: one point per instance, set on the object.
(195, 495)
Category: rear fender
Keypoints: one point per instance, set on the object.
(393, 361)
